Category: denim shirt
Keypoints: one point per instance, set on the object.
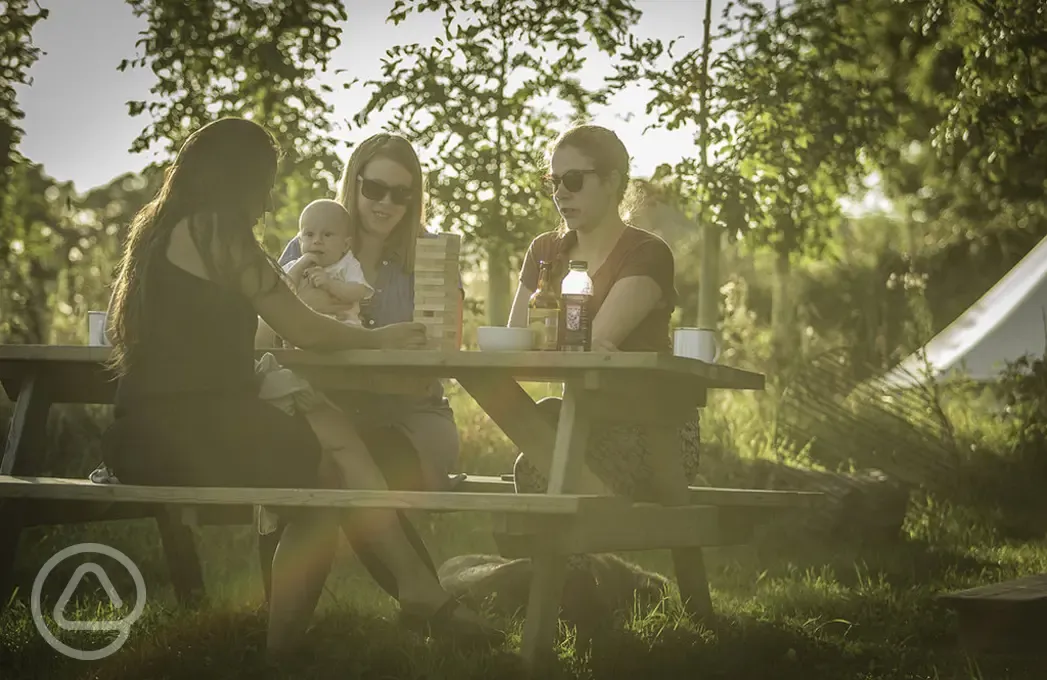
(392, 302)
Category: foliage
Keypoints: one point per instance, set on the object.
(20, 285)
(797, 112)
(31, 262)
(1023, 391)
(17, 55)
(244, 58)
(58, 251)
(478, 99)
(992, 107)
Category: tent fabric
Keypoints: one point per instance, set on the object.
(1006, 323)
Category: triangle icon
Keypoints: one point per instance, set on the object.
(67, 594)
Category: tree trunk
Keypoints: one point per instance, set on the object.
(497, 289)
(781, 304)
(709, 286)
(497, 263)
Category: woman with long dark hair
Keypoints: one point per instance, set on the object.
(192, 284)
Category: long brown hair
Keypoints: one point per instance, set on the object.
(400, 246)
(222, 175)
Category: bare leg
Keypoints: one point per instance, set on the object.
(300, 566)
(417, 585)
(670, 483)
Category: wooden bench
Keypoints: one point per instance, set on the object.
(524, 523)
(649, 389)
(1002, 617)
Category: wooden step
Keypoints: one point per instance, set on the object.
(1007, 617)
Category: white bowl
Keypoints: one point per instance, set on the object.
(503, 339)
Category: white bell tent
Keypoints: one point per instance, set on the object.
(1006, 323)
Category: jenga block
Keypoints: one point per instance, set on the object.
(445, 294)
(423, 282)
(433, 291)
(428, 287)
(437, 293)
(444, 239)
(437, 308)
(447, 268)
(426, 249)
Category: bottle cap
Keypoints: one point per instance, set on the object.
(578, 264)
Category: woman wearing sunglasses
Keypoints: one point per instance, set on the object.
(414, 439)
(633, 299)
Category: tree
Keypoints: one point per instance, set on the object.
(17, 276)
(992, 102)
(969, 158)
(475, 100)
(217, 58)
(792, 126)
(17, 54)
(60, 248)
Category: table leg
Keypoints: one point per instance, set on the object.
(28, 429)
(688, 563)
(550, 565)
(517, 415)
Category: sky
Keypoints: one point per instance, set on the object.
(78, 127)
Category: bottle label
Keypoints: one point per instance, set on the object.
(576, 323)
(544, 323)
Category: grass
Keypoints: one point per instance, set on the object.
(797, 610)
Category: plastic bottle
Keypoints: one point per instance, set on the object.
(576, 293)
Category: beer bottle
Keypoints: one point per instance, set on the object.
(543, 311)
(576, 291)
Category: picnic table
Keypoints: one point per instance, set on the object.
(642, 388)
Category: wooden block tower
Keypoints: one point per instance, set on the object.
(436, 293)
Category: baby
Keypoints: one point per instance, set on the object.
(329, 279)
(327, 276)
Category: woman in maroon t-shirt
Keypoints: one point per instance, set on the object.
(633, 296)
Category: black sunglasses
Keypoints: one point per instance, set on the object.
(572, 180)
(374, 190)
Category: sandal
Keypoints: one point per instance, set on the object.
(442, 623)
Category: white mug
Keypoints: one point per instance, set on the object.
(696, 343)
(96, 329)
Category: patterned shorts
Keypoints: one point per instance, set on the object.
(620, 455)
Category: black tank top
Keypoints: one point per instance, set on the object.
(196, 338)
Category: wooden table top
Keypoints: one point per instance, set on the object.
(532, 365)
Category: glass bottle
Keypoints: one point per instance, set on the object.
(543, 311)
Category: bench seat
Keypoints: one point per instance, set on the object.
(58, 488)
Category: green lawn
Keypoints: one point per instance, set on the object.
(790, 609)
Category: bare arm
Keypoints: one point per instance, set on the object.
(264, 337)
(297, 271)
(629, 301)
(518, 313)
(294, 321)
(348, 292)
(260, 282)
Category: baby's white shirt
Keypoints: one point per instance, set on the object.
(348, 269)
